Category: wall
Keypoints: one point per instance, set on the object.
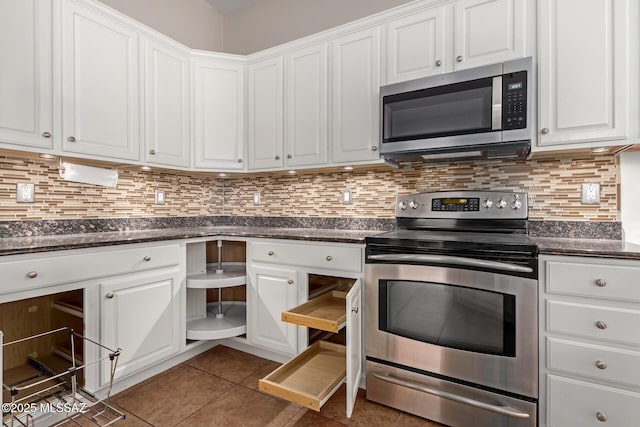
(630, 196)
(268, 23)
(553, 186)
(193, 23)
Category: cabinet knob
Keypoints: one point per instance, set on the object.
(438, 63)
(152, 151)
(277, 157)
(459, 58)
(374, 148)
(601, 325)
(71, 139)
(289, 156)
(147, 258)
(601, 365)
(32, 274)
(239, 160)
(545, 131)
(290, 281)
(329, 258)
(601, 417)
(601, 282)
(270, 253)
(354, 309)
(46, 134)
(109, 295)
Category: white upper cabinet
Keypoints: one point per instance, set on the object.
(306, 88)
(489, 31)
(416, 45)
(26, 105)
(166, 104)
(218, 102)
(100, 84)
(266, 107)
(583, 73)
(355, 87)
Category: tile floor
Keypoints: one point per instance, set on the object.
(220, 388)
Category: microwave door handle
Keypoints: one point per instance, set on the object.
(452, 260)
(496, 104)
(502, 410)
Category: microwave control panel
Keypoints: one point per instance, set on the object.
(514, 100)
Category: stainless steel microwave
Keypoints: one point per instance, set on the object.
(484, 112)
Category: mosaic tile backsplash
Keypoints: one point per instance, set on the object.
(553, 185)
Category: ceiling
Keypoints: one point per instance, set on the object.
(228, 7)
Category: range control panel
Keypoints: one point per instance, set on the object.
(463, 204)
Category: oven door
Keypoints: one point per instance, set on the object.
(475, 326)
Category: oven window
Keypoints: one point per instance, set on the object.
(450, 316)
(444, 111)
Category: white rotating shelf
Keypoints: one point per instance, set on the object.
(225, 319)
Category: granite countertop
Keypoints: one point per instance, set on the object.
(600, 248)
(22, 245)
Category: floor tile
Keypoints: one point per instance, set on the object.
(173, 396)
(313, 419)
(408, 420)
(252, 380)
(365, 413)
(241, 406)
(228, 363)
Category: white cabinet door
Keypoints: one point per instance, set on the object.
(100, 84)
(306, 106)
(140, 315)
(266, 103)
(584, 65)
(354, 344)
(26, 105)
(416, 45)
(218, 95)
(355, 81)
(489, 31)
(166, 104)
(272, 291)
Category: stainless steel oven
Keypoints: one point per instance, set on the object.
(451, 310)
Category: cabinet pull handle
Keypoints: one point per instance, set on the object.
(459, 58)
(374, 148)
(109, 295)
(71, 139)
(277, 157)
(152, 152)
(46, 134)
(438, 63)
(545, 131)
(32, 274)
(289, 156)
(147, 258)
(601, 325)
(601, 417)
(601, 283)
(601, 365)
(354, 309)
(290, 281)
(239, 160)
(329, 257)
(270, 253)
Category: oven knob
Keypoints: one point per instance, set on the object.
(402, 205)
(413, 204)
(487, 204)
(516, 204)
(502, 203)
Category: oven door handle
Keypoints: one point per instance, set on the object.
(502, 410)
(453, 260)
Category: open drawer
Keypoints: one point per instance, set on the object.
(313, 376)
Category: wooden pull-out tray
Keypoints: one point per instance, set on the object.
(310, 378)
(327, 312)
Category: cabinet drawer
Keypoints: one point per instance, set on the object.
(36, 272)
(589, 280)
(594, 321)
(579, 403)
(316, 256)
(594, 361)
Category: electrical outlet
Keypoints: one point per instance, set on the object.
(160, 197)
(256, 198)
(346, 197)
(591, 194)
(25, 193)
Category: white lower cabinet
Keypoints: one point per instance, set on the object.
(589, 342)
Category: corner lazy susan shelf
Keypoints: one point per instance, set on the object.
(219, 319)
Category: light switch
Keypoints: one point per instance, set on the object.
(160, 197)
(346, 197)
(25, 193)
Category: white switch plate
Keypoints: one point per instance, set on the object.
(256, 198)
(591, 194)
(25, 193)
(346, 197)
(160, 197)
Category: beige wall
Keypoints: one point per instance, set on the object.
(268, 23)
(191, 22)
